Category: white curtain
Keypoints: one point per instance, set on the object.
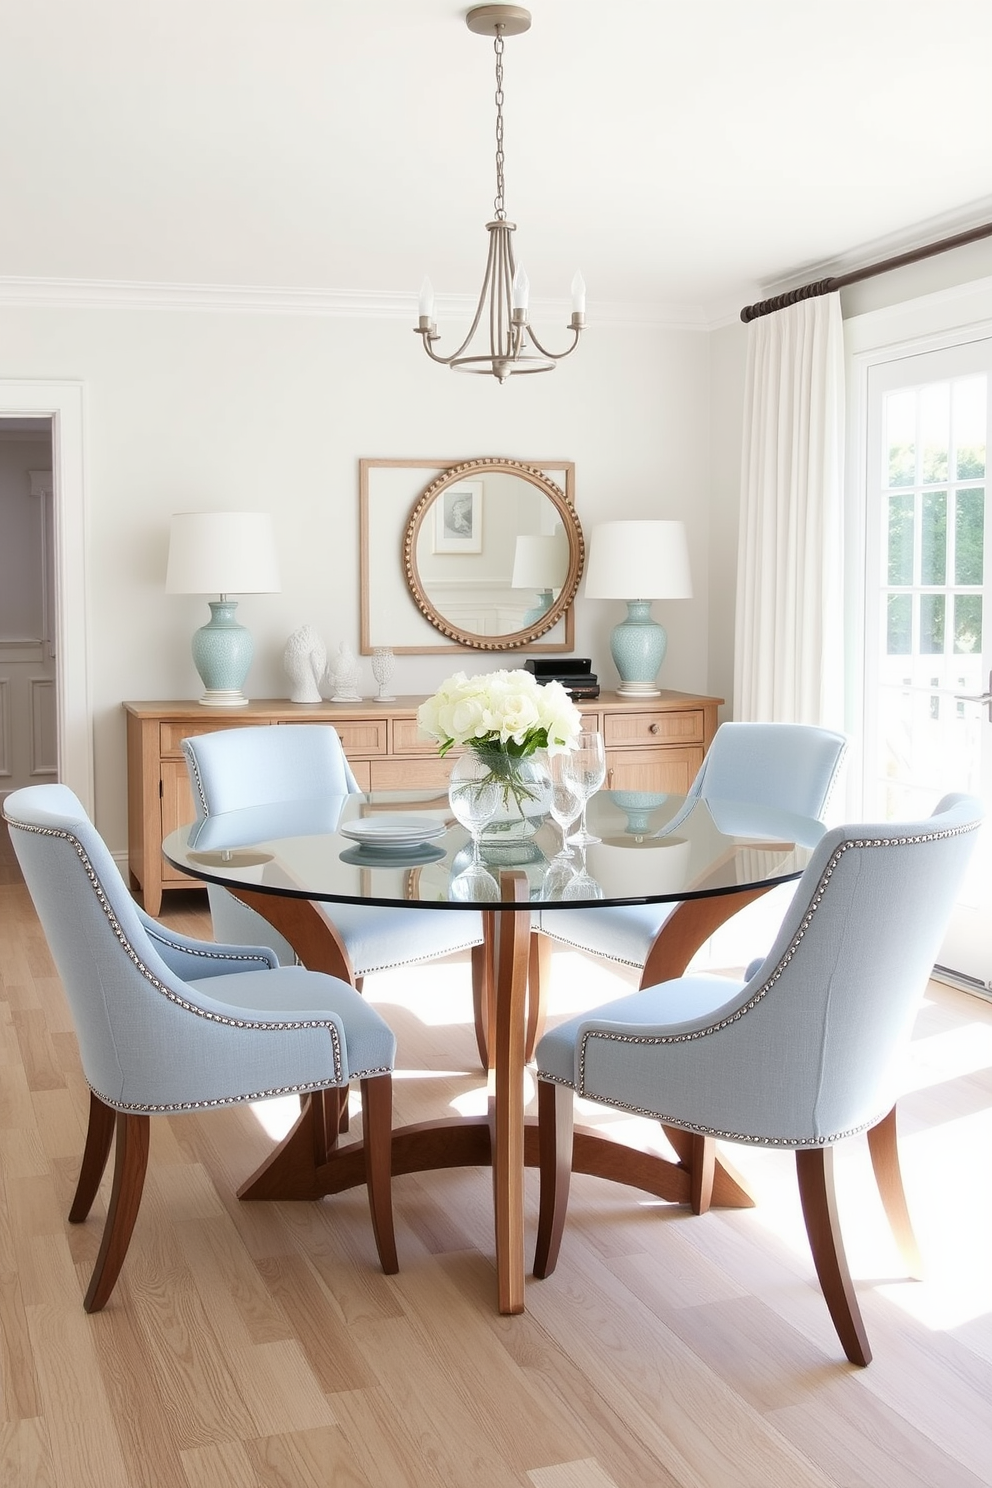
(789, 636)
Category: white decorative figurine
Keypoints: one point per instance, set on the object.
(303, 661)
(346, 675)
(383, 664)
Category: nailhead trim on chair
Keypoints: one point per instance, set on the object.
(182, 1002)
(191, 762)
(683, 1038)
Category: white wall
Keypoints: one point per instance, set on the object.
(209, 409)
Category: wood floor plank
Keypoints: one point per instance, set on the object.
(25, 1456)
(585, 1474)
(309, 1459)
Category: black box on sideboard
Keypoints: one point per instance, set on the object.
(559, 667)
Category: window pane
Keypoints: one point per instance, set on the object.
(933, 554)
(899, 626)
(968, 623)
(969, 427)
(969, 537)
(931, 624)
(900, 438)
(901, 539)
(935, 430)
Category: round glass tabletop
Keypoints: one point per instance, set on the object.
(404, 847)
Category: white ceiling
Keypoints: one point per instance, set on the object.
(682, 153)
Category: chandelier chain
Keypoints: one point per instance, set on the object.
(499, 203)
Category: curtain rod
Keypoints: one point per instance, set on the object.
(827, 286)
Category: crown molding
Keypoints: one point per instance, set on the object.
(878, 249)
(121, 294)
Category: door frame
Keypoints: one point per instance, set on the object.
(872, 339)
(63, 403)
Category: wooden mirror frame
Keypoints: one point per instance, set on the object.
(470, 470)
(383, 513)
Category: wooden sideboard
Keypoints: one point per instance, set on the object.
(652, 744)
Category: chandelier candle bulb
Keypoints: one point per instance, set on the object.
(521, 289)
(578, 297)
(426, 306)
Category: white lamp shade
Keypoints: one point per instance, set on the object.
(540, 562)
(638, 560)
(222, 553)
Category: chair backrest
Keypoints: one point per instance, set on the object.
(125, 1000)
(265, 765)
(808, 1051)
(792, 766)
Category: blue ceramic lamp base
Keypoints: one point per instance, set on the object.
(638, 645)
(222, 652)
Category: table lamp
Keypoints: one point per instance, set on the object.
(651, 560)
(540, 562)
(222, 553)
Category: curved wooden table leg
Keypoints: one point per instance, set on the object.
(311, 934)
(685, 930)
(506, 1111)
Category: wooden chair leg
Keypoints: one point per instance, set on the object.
(377, 1133)
(555, 1104)
(130, 1162)
(701, 1173)
(99, 1136)
(538, 979)
(815, 1170)
(888, 1175)
(482, 1000)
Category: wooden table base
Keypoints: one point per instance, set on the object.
(310, 1162)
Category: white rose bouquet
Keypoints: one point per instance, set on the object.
(503, 717)
(510, 711)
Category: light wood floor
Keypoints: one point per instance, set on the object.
(259, 1344)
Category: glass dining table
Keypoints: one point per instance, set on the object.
(706, 857)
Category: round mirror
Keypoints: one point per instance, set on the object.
(493, 553)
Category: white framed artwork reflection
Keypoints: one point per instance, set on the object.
(458, 519)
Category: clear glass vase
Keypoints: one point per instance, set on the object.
(520, 787)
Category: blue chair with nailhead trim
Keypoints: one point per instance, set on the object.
(266, 765)
(167, 1024)
(803, 1053)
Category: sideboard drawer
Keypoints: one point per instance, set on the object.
(630, 730)
(669, 770)
(362, 737)
(172, 733)
(408, 739)
(410, 774)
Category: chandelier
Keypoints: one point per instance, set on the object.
(505, 288)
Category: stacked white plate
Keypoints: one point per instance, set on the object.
(394, 833)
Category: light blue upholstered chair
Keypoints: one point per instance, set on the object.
(791, 766)
(267, 765)
(169, 1024)
(804, 1053)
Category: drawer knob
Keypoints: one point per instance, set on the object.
(654, 728)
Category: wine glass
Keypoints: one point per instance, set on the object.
(582, 885)
(585, 764)
(566, 800)
(474, 804)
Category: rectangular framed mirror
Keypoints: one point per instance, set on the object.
(443, 572)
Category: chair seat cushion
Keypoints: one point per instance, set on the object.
(624, 933)
(290, 992)
(378, 938)
(663, 1005)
